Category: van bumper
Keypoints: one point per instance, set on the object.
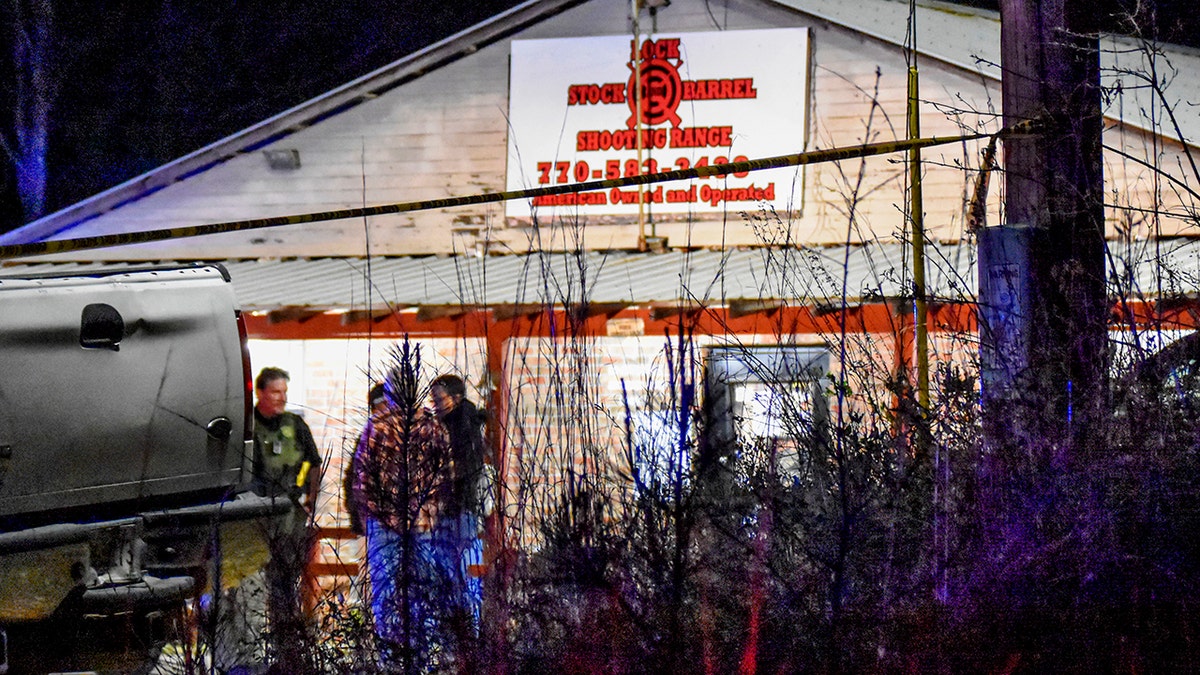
(152, 559)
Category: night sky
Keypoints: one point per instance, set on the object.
(141, 84)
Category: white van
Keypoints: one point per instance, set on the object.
(125, 413)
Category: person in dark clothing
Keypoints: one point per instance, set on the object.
(460, 520)
(377, 404)
(468, 449)
(286, 465)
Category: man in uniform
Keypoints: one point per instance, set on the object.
(286, 462)
(286, 465)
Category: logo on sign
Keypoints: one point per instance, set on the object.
(661, 86)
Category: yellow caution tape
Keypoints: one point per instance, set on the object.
(812, 157)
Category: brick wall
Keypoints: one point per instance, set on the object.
(567, 399)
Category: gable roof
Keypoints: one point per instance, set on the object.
(966, 39)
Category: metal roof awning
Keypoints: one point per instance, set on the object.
(819, 277)
(805, 275)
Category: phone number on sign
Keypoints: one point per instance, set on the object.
(581, 171)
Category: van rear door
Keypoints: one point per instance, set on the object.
(119, 387)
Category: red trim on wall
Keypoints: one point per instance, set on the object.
(482, 323)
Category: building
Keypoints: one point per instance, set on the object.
(579, 297)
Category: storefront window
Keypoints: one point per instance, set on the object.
(767, 399)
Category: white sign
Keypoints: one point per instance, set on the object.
(705, 99)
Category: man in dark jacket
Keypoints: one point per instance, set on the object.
(462, 511)
(465, 422)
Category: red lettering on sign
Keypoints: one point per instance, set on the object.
(593, 94)
(706, 90)
(701, 137)
(667, 48)
(619, 139)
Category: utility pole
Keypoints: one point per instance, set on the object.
(1042, 300)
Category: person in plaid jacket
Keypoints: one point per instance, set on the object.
(403, 481)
